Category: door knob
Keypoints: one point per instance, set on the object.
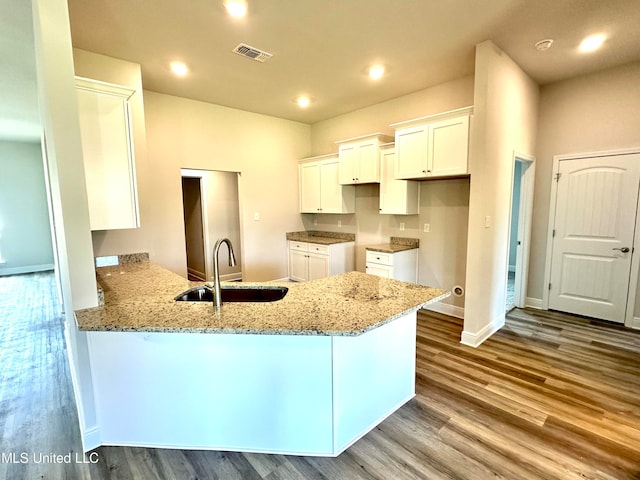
(623, 249)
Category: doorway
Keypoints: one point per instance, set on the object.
(211, 207)
(519, 230)
(193, 228)
(590, 266)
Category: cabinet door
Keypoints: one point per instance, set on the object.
(330, 189)
(310, 179)
(448, 147)
(397, 197)
(107, 150)
(368, 166)
(297, 265)
(318, 266)
(380, 270)
(348, 157)
(411, 150)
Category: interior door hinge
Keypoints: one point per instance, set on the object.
(558, 176)
(553, 232)
(549, 285)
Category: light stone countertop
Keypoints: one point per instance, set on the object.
(139, 297)
(322, 238)
(397, 244)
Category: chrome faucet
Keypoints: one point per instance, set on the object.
(217, 300)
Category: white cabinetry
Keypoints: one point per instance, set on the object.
(397, 197)
(310, 261)
(434, 146)
(107, 149)
(359, 159)
(320, 191)
(401, 265)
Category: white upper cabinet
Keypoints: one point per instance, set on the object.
(434, 146)
(359, 159)
(320, 190)
(107, 148)
(397, 197)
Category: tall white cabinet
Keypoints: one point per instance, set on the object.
(397, 197)
(107, 148)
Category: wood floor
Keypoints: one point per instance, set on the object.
(550, 396)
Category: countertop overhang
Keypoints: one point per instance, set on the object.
(140, 298)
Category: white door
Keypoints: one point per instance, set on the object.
(594, 227)
(318, 266)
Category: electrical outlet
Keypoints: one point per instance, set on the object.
(339, 223)
(402, 226)
(256, 216)
(427, 228)
(315, 222)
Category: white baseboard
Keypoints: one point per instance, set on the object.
(231, 277)
(475, 339)
(91, 439)
(446, 309)
(533, 303)
(635, 323)
(26, 269)
(196, 273)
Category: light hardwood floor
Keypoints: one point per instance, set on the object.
(550, 396)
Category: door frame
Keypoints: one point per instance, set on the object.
(190, 173)
(525, 218)
(629, 319)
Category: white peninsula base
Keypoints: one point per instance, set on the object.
(287, 394)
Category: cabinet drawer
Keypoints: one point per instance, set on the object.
(317, 248)
(300, 246)
(379, 258)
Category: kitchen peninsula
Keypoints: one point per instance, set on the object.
(306, 375)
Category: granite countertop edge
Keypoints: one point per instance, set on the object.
(140, 298)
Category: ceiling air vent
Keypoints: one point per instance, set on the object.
(251, 52)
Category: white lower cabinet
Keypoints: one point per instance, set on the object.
(310, 261)
(398, 266)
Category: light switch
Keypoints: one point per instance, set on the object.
(256, 216)
(427, 228)
(402, 226)
(487, 221)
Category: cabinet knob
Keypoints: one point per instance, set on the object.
(424, 171)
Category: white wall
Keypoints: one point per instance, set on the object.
(25, 235)
(184, 133)
(595, 112)
(59, 113)
(506, 110)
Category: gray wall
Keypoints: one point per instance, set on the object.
(25, 234)
(590, 113)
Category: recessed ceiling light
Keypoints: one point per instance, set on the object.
(591, 43)
(376, 72)
(236, 8)
(543, 45)
(179, 68)
(303, 101)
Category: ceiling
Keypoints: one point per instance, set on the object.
(321, 48)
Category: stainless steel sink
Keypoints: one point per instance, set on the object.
(234, 294)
